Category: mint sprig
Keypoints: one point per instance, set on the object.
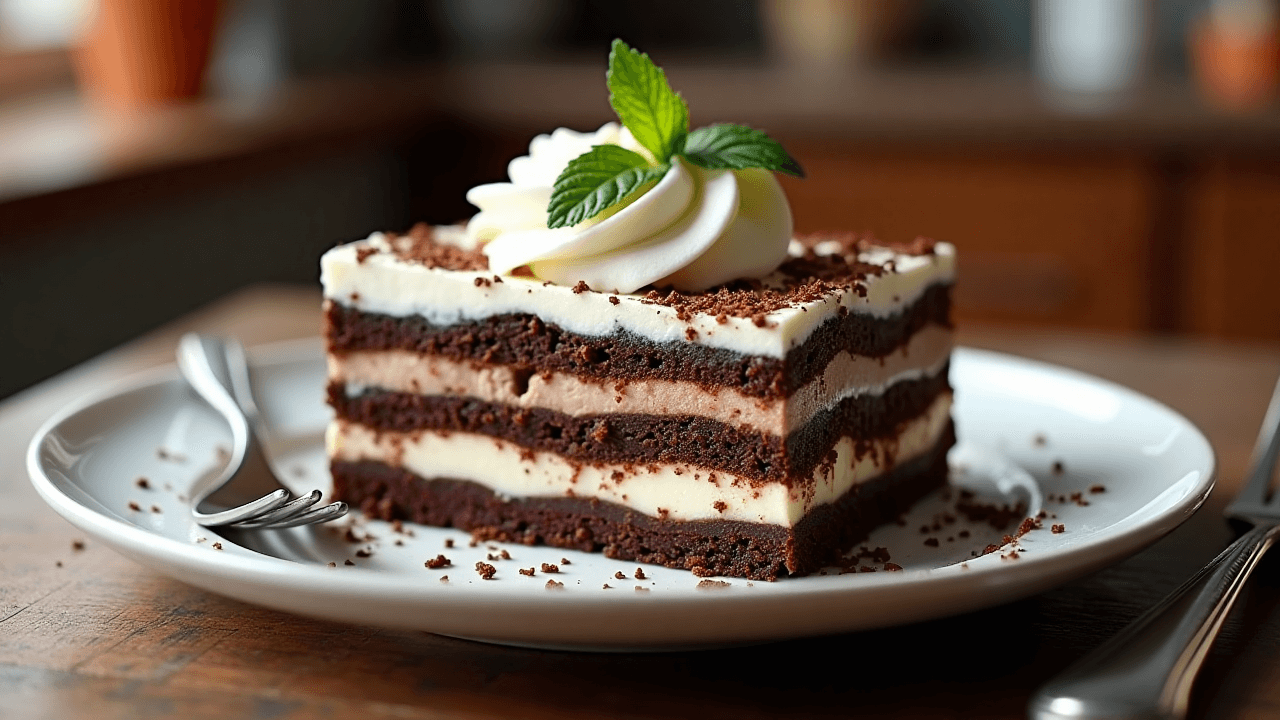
(658, 118)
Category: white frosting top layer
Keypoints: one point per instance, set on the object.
(694, 229)
(384, 284)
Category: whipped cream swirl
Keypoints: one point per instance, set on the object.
(692, 230)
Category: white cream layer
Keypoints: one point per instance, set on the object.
(845, 376)
(677, 492)
(386, 285)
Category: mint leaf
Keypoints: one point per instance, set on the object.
(646, 104)
(595, 181)
(737, 147)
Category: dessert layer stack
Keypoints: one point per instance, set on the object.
(757, 429)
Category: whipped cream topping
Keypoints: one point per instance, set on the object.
(694, 229)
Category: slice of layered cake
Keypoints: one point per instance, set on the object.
(625, 351)
(758, 429)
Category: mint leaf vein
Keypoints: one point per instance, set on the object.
(597, 180)
(645, 102)
(737, 147)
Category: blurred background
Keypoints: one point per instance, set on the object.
(1105, 165)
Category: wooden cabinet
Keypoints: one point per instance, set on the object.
(1044, 238)
(1109, 239)
(1232, 269)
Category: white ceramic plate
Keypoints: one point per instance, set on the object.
(1015, 418)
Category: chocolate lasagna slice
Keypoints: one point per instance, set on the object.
(757, 429)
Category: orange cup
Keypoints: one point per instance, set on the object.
(1236, 72)
(143, 52)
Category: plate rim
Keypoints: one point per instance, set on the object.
(1038, 572)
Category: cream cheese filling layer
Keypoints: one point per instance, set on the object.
(382, 283)
(676, 492)
(924, 355)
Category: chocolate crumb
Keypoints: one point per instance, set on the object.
(348, 562)
(497, 279)
(77, 545)
(528, 572)
(448, 542)
(606, 587)
(1058, 529)
(217, 546)
(963, 533)
(619, 576)
(486, 570)
(504, 554)
(1040, 440)
(363, 253)
(565, 561)
(364, 553)
(142, 483)
(893, 567)
(1058, 467)
(439, 561)
(553, 585)
(931, 542)
(713, 584)
(613, 299)
(1095, 489)
(1027, 526)
(580, 288)
(135, 506)
(333, 564)
(549, 568)
(57, 563)
(640, 574)
(156, 509)
(444, 578)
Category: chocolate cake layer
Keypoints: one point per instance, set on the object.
(640, 439)
(524, 341)
(712, 547)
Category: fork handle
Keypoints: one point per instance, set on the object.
(1147, 669)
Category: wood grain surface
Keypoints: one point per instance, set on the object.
(86, 633)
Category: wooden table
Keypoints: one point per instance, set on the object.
(85, 633)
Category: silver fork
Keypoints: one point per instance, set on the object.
(1147, 670)
(247, 493)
